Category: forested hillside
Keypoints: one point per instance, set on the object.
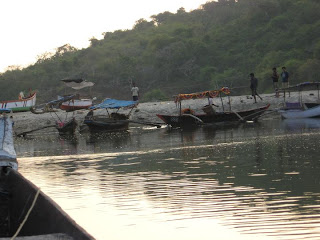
(218, 44)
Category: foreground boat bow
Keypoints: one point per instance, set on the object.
(24, 209)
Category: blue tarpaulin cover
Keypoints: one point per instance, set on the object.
(115, 104)
(7, 153)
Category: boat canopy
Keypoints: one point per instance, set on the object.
(304, 86)
(77, 83)
(115, 104)
(205, 94)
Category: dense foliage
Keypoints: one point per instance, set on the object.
(217, 45)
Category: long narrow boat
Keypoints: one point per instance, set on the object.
(187, 119)
(300, 109)
(190, 120)
(25, 210)
(67, 128)
(20, 105)
(113, 121)
(78, 102)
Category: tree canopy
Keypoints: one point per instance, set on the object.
(216, 45)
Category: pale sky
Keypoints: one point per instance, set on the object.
(30, 28)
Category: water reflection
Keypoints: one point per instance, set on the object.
(301, 124)
(254, 181)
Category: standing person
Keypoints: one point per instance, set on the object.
(253, 86)
(135, 92)
(275, 78)
(285, 78)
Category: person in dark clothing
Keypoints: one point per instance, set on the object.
(253, 86)
(275, 78)
(285, 78)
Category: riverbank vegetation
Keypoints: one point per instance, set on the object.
(216, 45)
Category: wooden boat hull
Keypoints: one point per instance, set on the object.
(185, 121)
(106, 125)
(313, 112)
(22, 105)
(46, 217)
(76, 104)
(24, 209)
(68, 128)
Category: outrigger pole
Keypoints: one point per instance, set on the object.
(221, 101)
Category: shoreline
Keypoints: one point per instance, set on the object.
(26, 121)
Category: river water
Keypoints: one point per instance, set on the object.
(253, 181)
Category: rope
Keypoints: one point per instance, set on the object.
(27, 215)
(196, 118)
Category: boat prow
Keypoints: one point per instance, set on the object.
(25, 210)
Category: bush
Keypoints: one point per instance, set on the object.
(154, 95)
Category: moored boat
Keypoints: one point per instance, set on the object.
(25, 210)
(112, 121)
(23, 104)
(301, 109)
(186, 118)
(68, 127)
(77, 102)
(190, 120)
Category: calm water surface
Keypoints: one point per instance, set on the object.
(256, 181)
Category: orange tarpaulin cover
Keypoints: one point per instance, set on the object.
(212, 94)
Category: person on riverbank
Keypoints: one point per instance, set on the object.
(285, 78)
(275, 79)
(253, 87)
(135, 92)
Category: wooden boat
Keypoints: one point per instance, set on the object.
(20, 105)
(78, 102)
(299, 110)
(49, 106)
(187, 118)
(104, 123)
(25, 210)
(68, 127)
(111, 122)
(63, 127)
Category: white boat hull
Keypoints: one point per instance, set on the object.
(20, 105)
(301, 113)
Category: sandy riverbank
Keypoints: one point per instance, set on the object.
(25, 121)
